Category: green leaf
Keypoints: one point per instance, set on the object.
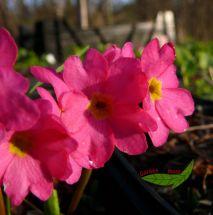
(184, 175)
(81, 51)
(203, 60)
(162, 179)
(173, 180)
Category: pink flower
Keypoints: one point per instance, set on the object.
(31, 158)
(34, 146)
(17, 110)
(98, 103)
(8, 49)
(113, 53)
(166, 102)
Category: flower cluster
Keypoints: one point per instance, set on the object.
(109, 100)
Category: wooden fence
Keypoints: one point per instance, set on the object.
(58, 36)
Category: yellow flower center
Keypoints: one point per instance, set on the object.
(100, 106)
(19, 144)
(155, 89)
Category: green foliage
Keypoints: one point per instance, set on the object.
(173, 180)
(79, 51)
(27, 58)
(194, 59)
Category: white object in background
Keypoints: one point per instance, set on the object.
(170, 25)
(164, 28)
(83, 18)
(50, 58)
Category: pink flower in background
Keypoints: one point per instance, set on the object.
(17, 110)
(31, 158)
(165, 102)
(113, 53)
(98, 103)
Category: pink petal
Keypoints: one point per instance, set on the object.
(50, 138)
(160, 135)
(96, 137)
(85, 77)
(16, 185)
(32, 177)
(150, 55)
(2, 131)
(75, 173)
(181, 99)
(45, 94)
(49, 76)
(154, 60)
(75, 75)
(40, 180)
(132, 145)
(136, 118)
(143, 85)
(50, 135)
(74, 106)
(18, 113)
(112, 54)
(146, 121)
(129, 137)
(57, 162)
(44, 106)
(126, 72)
(128, 127)
(167, 53)
(81, 155)
(127, 50)
(6, 158)
(175, 104)
(169, 78)
(8, 49)
(8, 76)
(95, 65)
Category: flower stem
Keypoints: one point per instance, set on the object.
(8, 206)
(60, 68)
(2, 206)
(33, 206)
(51, 206)
(37, 84)
(85, 176)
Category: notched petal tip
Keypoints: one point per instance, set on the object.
(8, 48)
(171, 45)
(167, 53)
(127, 50)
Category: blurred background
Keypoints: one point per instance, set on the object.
(60, 28)
(47, 31)
(192, 17)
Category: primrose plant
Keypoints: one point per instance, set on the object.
(95, 109)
